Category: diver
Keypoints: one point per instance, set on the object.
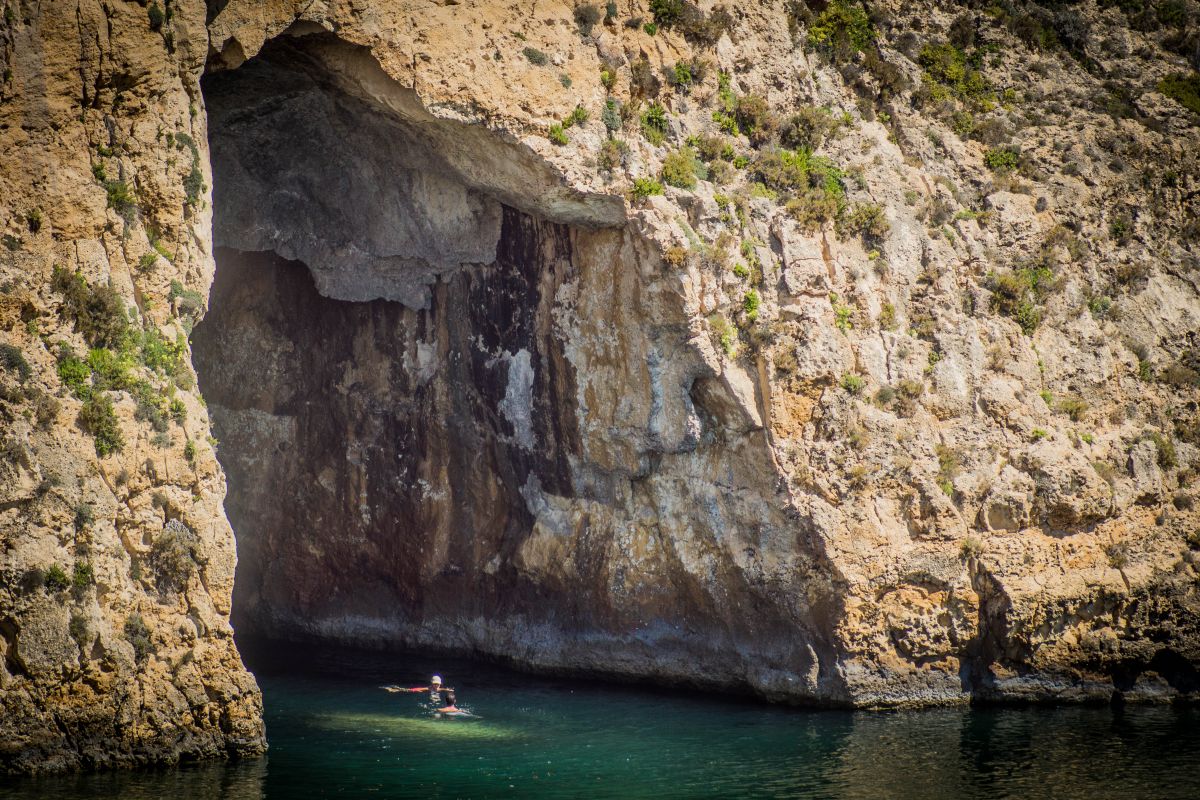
(441, 698)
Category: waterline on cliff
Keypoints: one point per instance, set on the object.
(333, 732)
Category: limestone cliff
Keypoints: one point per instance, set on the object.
(116, 560)
(843, 353)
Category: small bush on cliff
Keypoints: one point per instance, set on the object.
(138, 635)
(13, 360)
(557, 135)
(80, 629)
(74, 373)
(173, 557)
(853, 384)
(750, 305)
(644, 187)
(949, 73)
(156, 17)
(666, 12)
(535, 56)
(654, 124)
(1015, 293)
(1183, 89)
(97, 418)
(755, 118)
(681, 168)
(83, 576)
(841, 30)
(120, 199)
(55, 579)
(865, 219)
(971, 548)
(586, 17)
(809, 128)
(1001, 159)
(97, 311)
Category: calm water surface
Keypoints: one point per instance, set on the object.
(334, 733)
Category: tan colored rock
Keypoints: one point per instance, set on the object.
(504, 407)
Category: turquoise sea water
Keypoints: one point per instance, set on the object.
(334, 733)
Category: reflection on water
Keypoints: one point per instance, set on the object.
(333, 733)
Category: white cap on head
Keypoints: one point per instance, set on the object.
(436, 679)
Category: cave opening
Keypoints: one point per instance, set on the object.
(379, 355)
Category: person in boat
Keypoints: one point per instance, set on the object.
(442, 698)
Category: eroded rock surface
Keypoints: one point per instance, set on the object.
(892, 403)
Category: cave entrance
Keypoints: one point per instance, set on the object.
(379, 356)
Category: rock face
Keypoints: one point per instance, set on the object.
(116, 559)
(889, 397)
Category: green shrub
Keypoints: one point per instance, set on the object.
(120, 199)
(1120, 229)
(83, 575)
(1167, 457)
(160, 354)
(611, 116)
(535, 56)
(74, 373)
(586, 17)
(866, 219)
(841, 29)
(680, 75)
(189, 303)
(809, 128)
(644, 187)
(174, 556)
(34, 220)
(666, 12)
(755, 118)
(854, 384)
(650, 28)
(1001, 159)
(557, 135)
(56, 579)
(98, 419)
(1014, 295)
(788, 171)
(109, 370)
(750, 304)
(842, 314)
(947, 72)
(971, 548)
(97, 312)
(654, 124)
(138, 635)
(813, 208)
(79, 629)
(1074, 407)
(150, 409)
(949, 463)
(681, 168)
(577, 117)
(84, 516)
(1183, 89)
(157, 18)
(612, 154)
(13, 360)
(189, 451)
(726, 334)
